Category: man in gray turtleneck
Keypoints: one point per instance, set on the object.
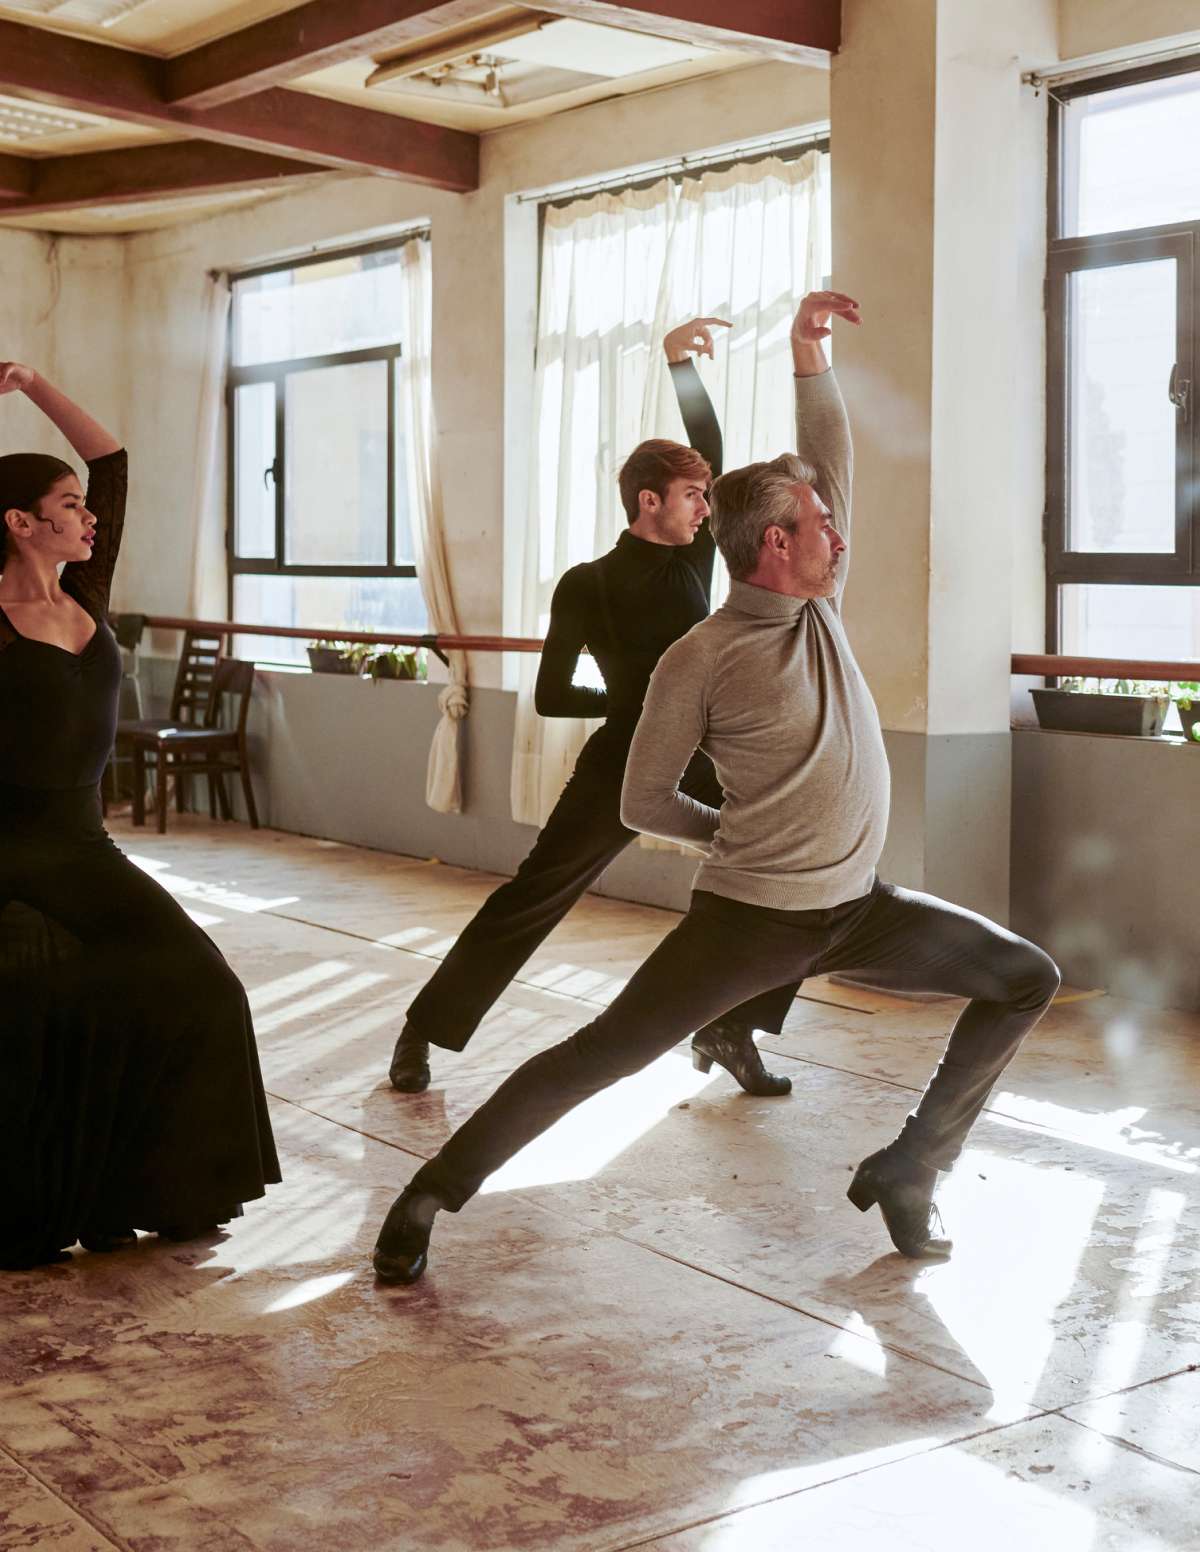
(768, 687)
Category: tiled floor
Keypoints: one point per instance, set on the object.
(663, 1325)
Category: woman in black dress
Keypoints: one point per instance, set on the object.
(130, 1093)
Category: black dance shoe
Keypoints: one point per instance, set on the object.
(409, 1071)
(23, 1255)
(402, 1249)
(179, 1233)
(732, 1046)
(102, 1241)
(904, 1190)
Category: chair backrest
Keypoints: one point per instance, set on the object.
(231, 677)
(192, 695)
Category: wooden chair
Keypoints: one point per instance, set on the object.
(190, 700)
(210, 751)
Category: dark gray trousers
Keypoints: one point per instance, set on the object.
(724, 952)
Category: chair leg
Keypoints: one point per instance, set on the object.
(180, 806)
(222, 795)
(212, 793)
(139, 786)
(248, 791)
(160, 792)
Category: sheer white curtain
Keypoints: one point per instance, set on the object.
(617, 271)
(206, 590)
(414, 410)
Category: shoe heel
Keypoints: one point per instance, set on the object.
(861, 1194)
(700, 1061)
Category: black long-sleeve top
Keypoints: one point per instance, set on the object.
(58, 709)
(628, 606)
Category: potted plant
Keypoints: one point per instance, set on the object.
(1186, 696)
(396, 663)
(1130, 707)
(332, 657)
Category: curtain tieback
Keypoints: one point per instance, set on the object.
(453, 702)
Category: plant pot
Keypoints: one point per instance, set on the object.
(1191, 721)
(1087, 711)
(387, 668)
(329, 660)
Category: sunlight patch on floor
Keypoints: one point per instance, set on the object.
(210, 894)
(1111, 1131)
(595, 1133)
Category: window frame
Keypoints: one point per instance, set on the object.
(277, 373)
(1068, 255)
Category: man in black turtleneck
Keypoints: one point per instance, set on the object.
(626, 609)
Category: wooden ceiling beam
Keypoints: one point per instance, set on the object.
(801, 31)
(308, 38)
(184, 167)
(16, 176)
(71, 73)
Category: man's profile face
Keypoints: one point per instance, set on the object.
(677, 517)
(814, 547)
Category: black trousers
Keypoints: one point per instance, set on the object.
(130, 1092)
(723, 951)
(582, 836)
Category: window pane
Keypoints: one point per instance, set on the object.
(254, 483)
(1146, 622)
(1130, 157)
(317, 309)
(1122, 432)
(336, 423)
(326, 604)
(405, 554)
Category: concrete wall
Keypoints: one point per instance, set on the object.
(1104, 874)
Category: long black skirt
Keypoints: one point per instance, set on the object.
(130, 1090)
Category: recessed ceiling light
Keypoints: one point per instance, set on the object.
(21, 120)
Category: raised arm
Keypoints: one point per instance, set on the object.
(554, 694)
(673, 723)
(87, 436)
(700, 422)
(822, 426)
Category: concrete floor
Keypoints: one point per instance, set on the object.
(662, 1326)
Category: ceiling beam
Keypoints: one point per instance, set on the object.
(310, 37)
(94, 178)
(16, 176)
(118, 83)
(803, 32)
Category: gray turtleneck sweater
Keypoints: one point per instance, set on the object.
(769, 689)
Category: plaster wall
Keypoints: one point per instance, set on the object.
(1098, 26)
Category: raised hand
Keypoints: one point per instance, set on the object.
(15, 378)
(815, 311)
(692, 339)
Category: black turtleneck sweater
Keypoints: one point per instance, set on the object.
(629, 606)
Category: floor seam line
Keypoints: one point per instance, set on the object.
(813, 1487)
(27, 1470)
(345, 1125)
(1128, 1444)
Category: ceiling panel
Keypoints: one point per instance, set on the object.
(347, 83)
(155, 26)
(31, 129)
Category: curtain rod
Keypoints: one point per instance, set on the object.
(319, 253)
(680, 166)
(1040, 80)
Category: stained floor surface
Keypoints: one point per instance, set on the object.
(662, 1325)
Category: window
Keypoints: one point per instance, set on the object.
(319, 533)
(1123, 312)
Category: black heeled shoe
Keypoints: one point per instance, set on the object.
(102, 1241)
(903, 1188)
(180, 1233)
(409, 1072)
(732, 1046)
(402, 1250)
(25, 1255)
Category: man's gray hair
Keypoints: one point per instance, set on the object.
(746, 502)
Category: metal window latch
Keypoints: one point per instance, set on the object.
(1179, 390)
(272, 471)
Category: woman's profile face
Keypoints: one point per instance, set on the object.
(60, 528)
